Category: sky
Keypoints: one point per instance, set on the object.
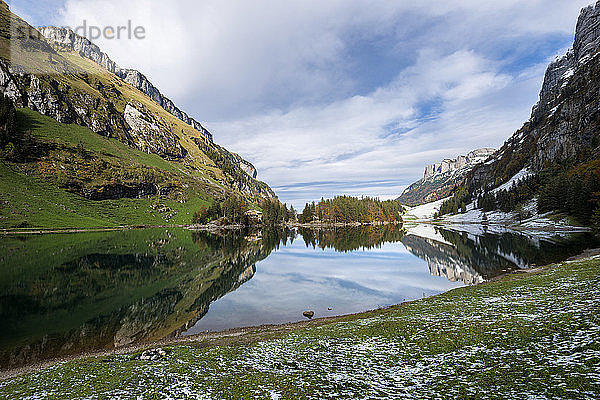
(338, 97)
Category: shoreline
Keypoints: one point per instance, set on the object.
(242, 335)
(216, 228)
(191, 227)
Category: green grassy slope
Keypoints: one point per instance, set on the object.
(70, 88)
(31, 193)
(529, 336)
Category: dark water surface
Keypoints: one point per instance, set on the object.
(62, 295)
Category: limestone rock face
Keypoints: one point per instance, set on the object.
(58, 101)
(441, 178)
(246, 166)
(151, 135)
(586, 44)
(565, 124)
(471, 159)
(66, 39)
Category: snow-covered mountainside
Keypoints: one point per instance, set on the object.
(440, 179)
(549, 170)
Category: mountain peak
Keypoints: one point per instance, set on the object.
(585, 45)
(450, 165)
(440, 179)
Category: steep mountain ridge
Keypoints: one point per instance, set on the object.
(551, 164)
(73, 89)
(565, 123)
(63, 39)
(442, 178)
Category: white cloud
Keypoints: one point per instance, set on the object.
(346, 141)
(310, 90)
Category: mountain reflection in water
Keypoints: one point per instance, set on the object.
(476, 256)
(64, 295)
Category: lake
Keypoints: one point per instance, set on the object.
(66, 294)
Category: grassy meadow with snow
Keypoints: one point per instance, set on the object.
(530, 335)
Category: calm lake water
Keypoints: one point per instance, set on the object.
(68, 294)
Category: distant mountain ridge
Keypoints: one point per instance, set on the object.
(440, 179)
(473, 158)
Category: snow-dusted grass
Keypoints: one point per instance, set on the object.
(529, 336)
(424, 212)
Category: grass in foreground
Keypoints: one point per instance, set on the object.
(530, 336)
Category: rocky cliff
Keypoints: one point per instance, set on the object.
(72, 81)
(470, 160)
(66, 40)
(440, 179)
(565, 123)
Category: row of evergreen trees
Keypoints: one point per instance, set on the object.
(576, 193)
(275, 213)
(456, 203)
(232, 210)
(341, 209)
(346, 209)
(509, 200)
(505, 200)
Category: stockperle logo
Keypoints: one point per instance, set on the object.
(28, 45)
(128, 31)
(109, 32)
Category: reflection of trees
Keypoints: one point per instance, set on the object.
(480, 252)
(352, 238)
(100, 290)
(232, 242)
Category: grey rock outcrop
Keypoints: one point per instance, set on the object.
(565, 123)
(149, 134)
(58, 101)
(153, 355)
(440, 179)
(473, 158)
(560, 71)
(246, 166)
(66, 39)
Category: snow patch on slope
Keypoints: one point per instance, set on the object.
(521, 175)
(425, 211)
